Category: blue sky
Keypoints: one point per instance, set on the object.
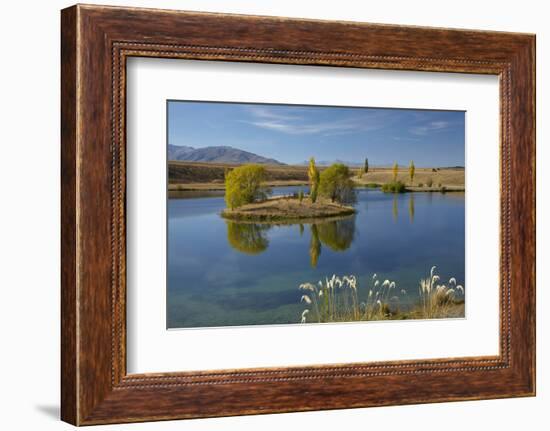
(294, 133)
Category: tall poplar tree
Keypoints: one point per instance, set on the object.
(411, 171)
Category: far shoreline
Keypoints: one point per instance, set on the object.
(220, 187)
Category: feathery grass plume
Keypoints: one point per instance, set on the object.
(438, 300)
(336, 299)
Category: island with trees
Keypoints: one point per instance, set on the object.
(331, 195)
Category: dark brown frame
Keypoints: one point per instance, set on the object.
(95, 43)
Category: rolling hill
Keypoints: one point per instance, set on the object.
(217, 154)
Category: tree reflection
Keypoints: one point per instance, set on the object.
(314, 246)
(394, 208)
(338, 234)
(249, 238)
(411, 207)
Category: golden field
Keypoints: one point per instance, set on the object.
(210, 176)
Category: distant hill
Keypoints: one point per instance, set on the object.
(221, 154)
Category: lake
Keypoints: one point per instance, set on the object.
(224, 273)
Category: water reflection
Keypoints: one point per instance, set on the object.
(253, 271)
(314, 246)
(251, 238)
(248, 238)
(337, 235)
(411, 207)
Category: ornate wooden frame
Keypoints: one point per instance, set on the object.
(95, 43)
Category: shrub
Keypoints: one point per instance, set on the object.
(335, 183)
(430, 182)
(420, 185)
(372, 185)
(394, 187)
(301, 196)
(243, 185)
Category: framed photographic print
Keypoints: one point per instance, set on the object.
(268, 215)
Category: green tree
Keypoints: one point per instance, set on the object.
(394, 171)
(411, 171)
(336, 184)
(314, 177)
(243, 185)
(366, 167)
(301, 195)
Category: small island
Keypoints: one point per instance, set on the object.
(247, 197)
(287, 209)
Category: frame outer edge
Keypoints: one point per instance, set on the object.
(69, 196)
(88, 396)
(523, 216)
(533, 54)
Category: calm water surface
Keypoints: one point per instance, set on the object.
(223, 273)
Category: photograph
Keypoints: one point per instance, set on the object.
(284, 214)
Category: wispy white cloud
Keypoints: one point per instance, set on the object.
(259, 111)
(433, 126)
(296, 122)
(405, 139)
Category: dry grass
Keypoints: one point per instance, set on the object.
(210, 176)
(200, 173)
(452, 178)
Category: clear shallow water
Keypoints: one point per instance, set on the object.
(223, 273)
